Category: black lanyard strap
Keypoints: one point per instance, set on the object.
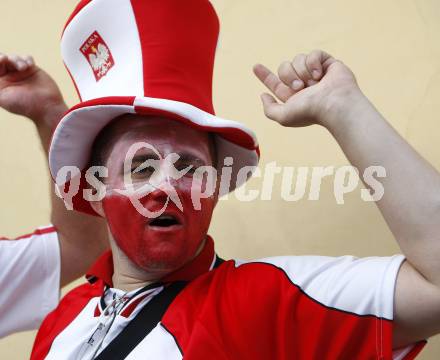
(142, 324)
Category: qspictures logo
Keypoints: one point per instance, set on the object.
(158, 172)
(98, 55)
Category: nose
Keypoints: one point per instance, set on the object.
(162, 174)
(162, 182)
(161, 192)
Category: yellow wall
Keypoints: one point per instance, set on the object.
(393, 48)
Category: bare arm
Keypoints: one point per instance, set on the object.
(411, 202)
(27, 90)
(410, 206)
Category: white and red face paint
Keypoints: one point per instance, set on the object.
(146, 241)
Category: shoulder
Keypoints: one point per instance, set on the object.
(29, 279)
(33, 258)
(70, 306)
(311, 302)
(42, 242)
(364, 286)
(43, 233)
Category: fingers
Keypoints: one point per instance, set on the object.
(18, 63)
(15, 63)
(3, 60)
(293, 77)
(314, 63)
(300, 67)
(29, 60)
(273, 83)
(304, 70)
(312, 67)
(272, 109)
(289, 76)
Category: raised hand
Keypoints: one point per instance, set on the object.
(308, 88)
(27, 90)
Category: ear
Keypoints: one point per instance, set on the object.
(97, 207)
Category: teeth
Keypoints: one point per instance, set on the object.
(166, 217)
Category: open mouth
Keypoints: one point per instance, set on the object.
(165, 221)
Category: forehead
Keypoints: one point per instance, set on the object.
(167, 135)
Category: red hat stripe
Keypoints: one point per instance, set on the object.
(232, 134)
(178, 59)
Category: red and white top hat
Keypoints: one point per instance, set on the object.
(151, 57)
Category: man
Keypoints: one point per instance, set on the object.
(35, 266)
(162, 293)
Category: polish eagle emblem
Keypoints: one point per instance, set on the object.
(100, 59)
(98, 55)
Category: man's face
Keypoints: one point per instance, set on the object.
(165, 243)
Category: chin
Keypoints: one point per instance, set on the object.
(165, 259)
(161, 251)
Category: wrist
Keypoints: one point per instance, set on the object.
(50, 115)
(343, 107)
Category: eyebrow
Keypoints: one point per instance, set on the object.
(191, 159)
(139, 159)
(143, 157)
(183, 158)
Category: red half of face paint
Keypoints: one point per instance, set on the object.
(162, 244)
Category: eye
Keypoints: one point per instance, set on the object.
(142, 171)
(147, 169)
(190, 168)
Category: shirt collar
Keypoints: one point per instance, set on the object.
(102, 269)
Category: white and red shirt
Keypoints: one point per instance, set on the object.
(29, 280)
(291, 307)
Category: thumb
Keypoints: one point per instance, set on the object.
(272, 109)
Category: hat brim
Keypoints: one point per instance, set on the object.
(74, 136)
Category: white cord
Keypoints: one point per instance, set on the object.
(90, 349)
